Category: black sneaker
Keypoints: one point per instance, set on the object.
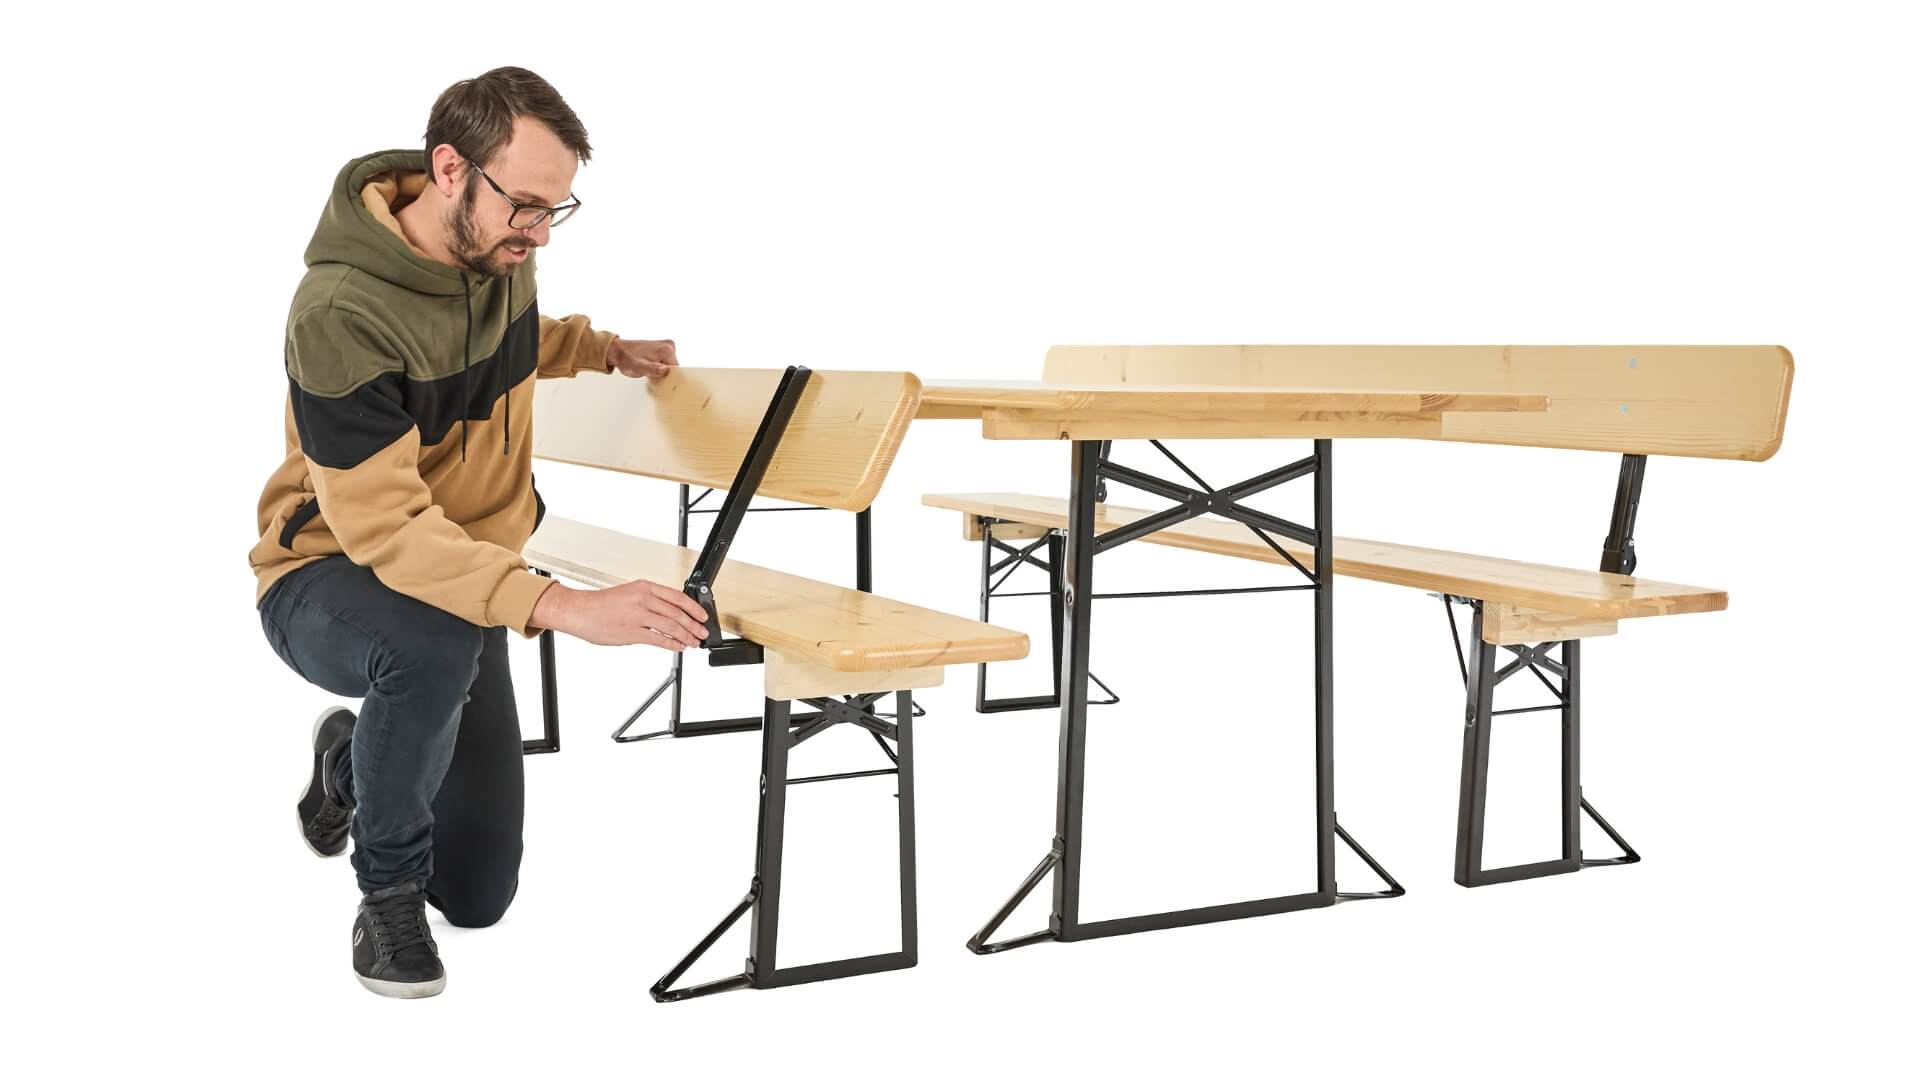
(393, 951)
(324, 813)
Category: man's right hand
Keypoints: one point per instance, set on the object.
(636, 613)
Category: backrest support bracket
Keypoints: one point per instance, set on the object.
(1618, 557)
(766, 440)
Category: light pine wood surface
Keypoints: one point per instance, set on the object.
(1014, 409)
(1504, 624)
(694, 425)
(789, 678)
(1585, 594)
(836, 628)
(1715, 401)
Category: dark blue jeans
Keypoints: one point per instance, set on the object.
(436, 770)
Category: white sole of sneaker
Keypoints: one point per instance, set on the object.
(402, 990)
(300, 823)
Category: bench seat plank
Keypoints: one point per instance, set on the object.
(839, 628)
(1589, 594)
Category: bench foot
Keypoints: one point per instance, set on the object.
(978, 943)
(780, 732)
(1561, 677)
(1393, 889)
(1627, 854)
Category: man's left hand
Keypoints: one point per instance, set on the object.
(641, 359)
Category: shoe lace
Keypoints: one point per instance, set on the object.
(400, 921)
(331, 816)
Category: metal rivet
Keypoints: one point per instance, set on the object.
(1623, 408)
(1633, 361)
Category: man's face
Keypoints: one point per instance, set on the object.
(534, 167)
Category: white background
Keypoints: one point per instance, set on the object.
(949, 190)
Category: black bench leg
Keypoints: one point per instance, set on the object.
(549, 742)
(1056, 615)
(762, 902)
(1483, 676)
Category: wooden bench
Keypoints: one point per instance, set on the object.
(819, 438)
(1698, 401)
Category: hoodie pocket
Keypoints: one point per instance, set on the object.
(298, 520)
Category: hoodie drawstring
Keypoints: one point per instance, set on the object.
(466, 361)
(466, 382)
(506, 376)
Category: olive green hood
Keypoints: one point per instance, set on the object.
(350, 234)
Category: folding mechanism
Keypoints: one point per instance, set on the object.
(1618, 557)
(673, 687)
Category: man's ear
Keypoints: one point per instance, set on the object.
(446, 169)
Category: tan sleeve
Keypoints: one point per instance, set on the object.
(386, 520)
(571, 345)
(363, 453)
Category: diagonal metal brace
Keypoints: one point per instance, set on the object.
(856, 710)
(1393, 889)
(978, 943)
(663, 991)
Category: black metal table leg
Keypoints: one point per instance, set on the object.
(1077, 634)
(1089, 467)
(1323, 578)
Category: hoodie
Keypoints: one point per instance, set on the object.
(409, 414)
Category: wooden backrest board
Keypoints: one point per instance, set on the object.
(694, 425)
(1714, 401)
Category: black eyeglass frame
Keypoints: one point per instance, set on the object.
(558, 213)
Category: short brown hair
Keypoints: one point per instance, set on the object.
(475, 116)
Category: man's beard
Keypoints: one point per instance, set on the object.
(463, 237)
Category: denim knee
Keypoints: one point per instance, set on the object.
(439, 650)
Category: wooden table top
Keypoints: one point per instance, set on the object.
(1016, 409)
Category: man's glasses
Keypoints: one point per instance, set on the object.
(528, 215)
